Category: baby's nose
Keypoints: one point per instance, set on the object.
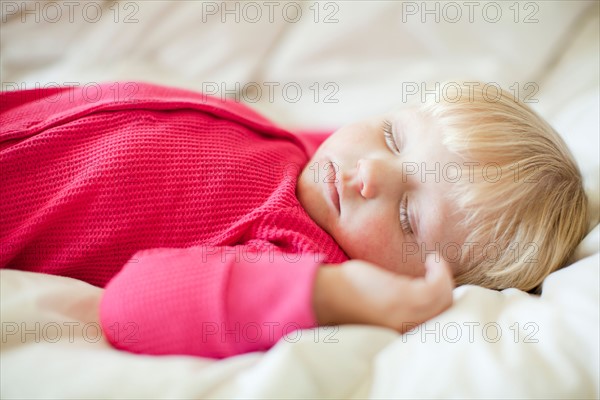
(371, 177)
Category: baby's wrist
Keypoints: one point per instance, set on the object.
(324, 293)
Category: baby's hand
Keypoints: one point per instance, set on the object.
(358, 292)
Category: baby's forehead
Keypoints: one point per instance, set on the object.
(406, 112)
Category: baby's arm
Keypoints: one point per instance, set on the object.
(208, 301)
(357, 292)
(222, 301)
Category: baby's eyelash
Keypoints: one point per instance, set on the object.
(389, 136)
(404, 220)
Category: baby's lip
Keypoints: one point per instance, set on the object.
(333, 187)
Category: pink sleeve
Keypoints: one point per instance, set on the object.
(208, 301)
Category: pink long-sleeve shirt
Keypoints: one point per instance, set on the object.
(182, 206)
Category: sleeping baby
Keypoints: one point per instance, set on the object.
(215, 232)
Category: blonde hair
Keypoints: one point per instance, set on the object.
(524, 202)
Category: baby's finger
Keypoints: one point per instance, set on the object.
(431, 294)
(439, 279)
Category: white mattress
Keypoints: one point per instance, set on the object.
(489, 344)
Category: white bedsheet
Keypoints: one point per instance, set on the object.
(490, 344)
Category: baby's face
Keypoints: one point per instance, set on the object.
(381, 199)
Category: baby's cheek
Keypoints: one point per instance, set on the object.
(377, 242)
(410, 261)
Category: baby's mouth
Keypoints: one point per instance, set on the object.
(332, 188)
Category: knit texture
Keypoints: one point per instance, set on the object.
(181, 205)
